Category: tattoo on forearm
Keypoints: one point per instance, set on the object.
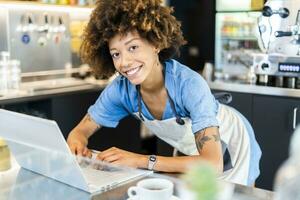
(201, 139)
(217, 137)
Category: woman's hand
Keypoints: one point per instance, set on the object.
(121, 157)
(77, 143)
(78, 138)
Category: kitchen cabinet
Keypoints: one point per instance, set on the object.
(273, 119)
(68, 110)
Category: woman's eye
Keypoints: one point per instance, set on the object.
(132, 48)
(115, 55)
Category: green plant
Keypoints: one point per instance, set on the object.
(202, 180)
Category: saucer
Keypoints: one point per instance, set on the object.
(172, 198)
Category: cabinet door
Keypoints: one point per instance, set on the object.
(69, 109)
(273, 124)
(39, 108)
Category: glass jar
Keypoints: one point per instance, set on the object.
(4, 73)
(5, 163)
(15, 75)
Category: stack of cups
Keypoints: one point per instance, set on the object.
(15, 75)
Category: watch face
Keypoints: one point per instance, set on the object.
(152, 158)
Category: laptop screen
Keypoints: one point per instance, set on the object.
(38, 145)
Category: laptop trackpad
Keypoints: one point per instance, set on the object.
(107, 179)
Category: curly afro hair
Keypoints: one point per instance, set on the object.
(149, 18)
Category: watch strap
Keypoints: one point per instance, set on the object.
(151, 161)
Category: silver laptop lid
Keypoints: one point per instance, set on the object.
(38, 145)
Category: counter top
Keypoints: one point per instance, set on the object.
(254, 89)
(40, 89)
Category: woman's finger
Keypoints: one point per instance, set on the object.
(86, 152)
(109, 152)
(73, 149)
(103, 155)
(79, 150)
(112, 158)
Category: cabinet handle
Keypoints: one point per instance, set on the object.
(295, 118)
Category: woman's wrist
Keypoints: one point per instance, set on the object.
(143, 162)
(76, 136)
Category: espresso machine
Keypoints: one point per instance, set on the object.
(36, 35)
(278, 33)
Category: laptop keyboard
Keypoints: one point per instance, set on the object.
(103, 176)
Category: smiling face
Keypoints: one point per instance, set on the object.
(134, 57)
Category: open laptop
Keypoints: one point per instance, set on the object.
(38, 145)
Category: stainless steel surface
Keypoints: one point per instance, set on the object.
(53, 84)
(254, 89)
(47, 34)
(3, 32)
(18, 183)
(39, 89)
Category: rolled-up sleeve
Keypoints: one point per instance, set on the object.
(108, 110)
(200, 103)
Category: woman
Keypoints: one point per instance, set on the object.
(137, 38)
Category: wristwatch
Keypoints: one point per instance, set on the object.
(151, 162)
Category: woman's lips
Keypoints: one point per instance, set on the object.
(133, 72)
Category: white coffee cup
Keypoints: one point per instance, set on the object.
(152, 188)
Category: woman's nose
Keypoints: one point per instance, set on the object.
(126, 60)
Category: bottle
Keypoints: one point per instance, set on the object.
(14, 75)
(208, 71)
(287, 180)
(5, 163)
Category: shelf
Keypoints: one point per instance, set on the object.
(245, 38)
(38, 3)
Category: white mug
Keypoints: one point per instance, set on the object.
(152, 188)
